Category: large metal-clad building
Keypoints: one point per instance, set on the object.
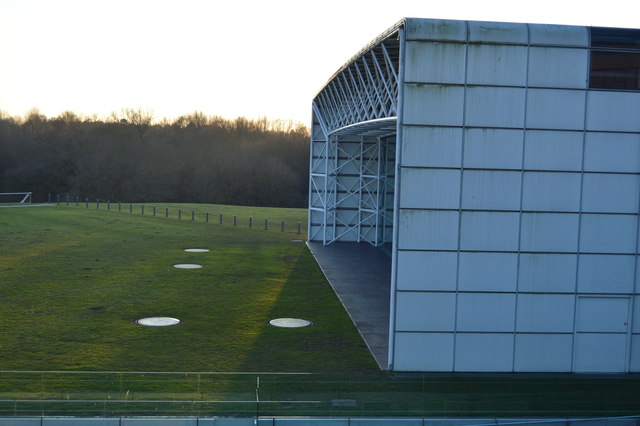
(500, 164)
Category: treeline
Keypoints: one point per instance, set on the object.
(129, 157)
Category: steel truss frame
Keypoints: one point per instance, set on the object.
(352, 162)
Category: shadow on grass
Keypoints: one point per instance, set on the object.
(331, 344)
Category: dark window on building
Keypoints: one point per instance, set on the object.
(615, 59)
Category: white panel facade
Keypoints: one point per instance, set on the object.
(553, 150)
(538, 178)
(558, 67)
(432, 146)
(484, 352)
(493, 149)
(516, 208)
(543, 352)
(427, 270)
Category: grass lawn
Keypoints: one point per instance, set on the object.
(73, 280)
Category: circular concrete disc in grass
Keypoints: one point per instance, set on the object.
(158, 321)
(196, 250)
(290, 322)
(187, 266)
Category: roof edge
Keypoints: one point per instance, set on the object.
(379, 39)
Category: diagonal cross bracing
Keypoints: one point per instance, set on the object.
(353, 149)
(366, 89)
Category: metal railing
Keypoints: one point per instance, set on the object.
(201, 394)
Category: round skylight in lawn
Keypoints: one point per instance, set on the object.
(187, 266)
(290, 322)
(158, 321)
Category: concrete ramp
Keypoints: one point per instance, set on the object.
(360, 274)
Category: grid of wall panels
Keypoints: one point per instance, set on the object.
(518, 200)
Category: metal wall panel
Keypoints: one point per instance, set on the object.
(424, 352)
(636, 314)
(550, 313)
(425, 270)
(435, 62)
(605, 273)
(491, 190)
(603, 233)
(430, 188)
(484, 352)
(612, 152)
(488, 271)
(433, 104)
(634, 366)
(489, 231)
(602, 314)
(558, 35)
(613, 193)
(435, 29)
(494, 107)
(426, 311)
(427, 230)
(558, 67)
(547, 272)
(498, 32)
(613, 111)
(553, 150)
(486, 312)
(555, 109)
(600, 353)
(493, 148)
(550, 191)
(543, 352)
(549, 232)
(497, 65)
(431, 146)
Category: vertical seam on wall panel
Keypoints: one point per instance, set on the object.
(524, 137)
(630, 318)
(396, 201)
(584, 137)
(464, 119)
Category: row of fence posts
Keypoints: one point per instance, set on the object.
(166, 212)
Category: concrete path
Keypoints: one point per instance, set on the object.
(360, 274)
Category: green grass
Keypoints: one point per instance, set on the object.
(73, 280)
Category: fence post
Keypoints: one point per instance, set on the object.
(154, 210)
(298, 227)
(166, 212)
(49, 198)
(97, 203)
(220, 218)
(67, 199)
(206, 217)
(108, 205)
(234, 220)
(179, 213)
(57, 199)
(266, 224)
(142, 208)
(130, 207)
(119, 206)
(250, 221)
(77, 201)
(193, 215)
(282, 227)
(86, 202)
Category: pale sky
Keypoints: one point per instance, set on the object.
(252, 58)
